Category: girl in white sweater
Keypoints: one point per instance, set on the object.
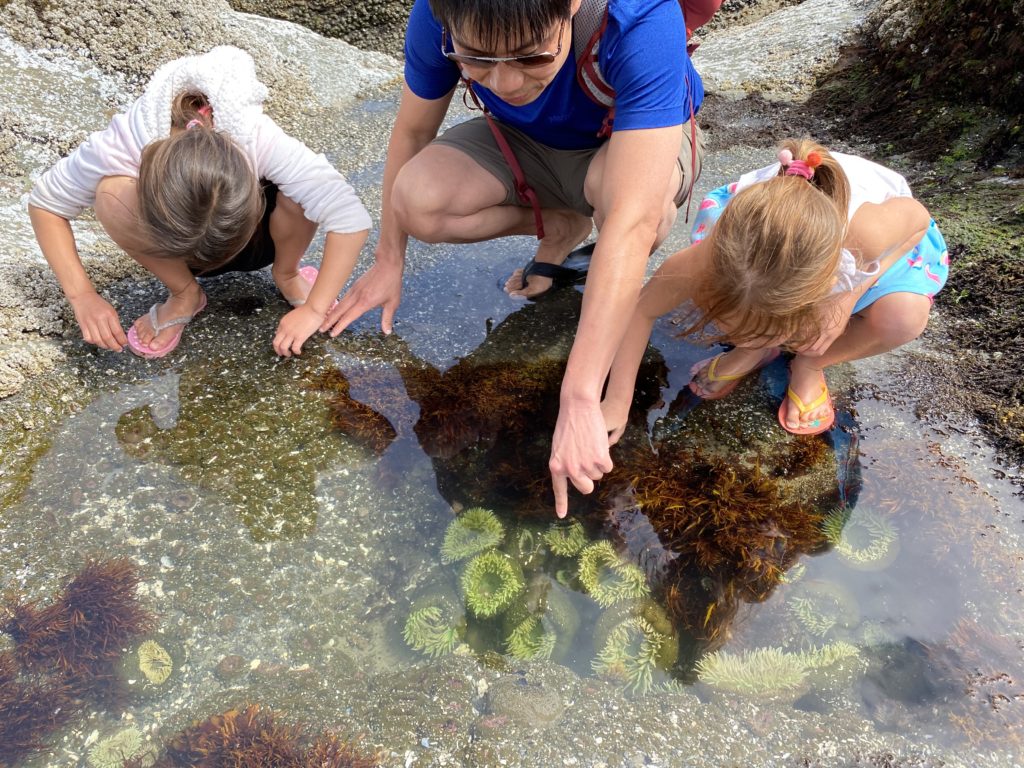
(195, 180)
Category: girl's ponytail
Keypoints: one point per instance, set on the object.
(776, 248)
(827, 175)
(191, 110)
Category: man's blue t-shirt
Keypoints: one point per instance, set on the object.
(642, 56)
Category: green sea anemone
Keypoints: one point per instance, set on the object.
(116, 750)
(490, 582)
(566, 539)
(474, 531)
(760, 672)
(794, 574)
(542, 622)
(608, 578)
(768, 671)
(631, 654)
(526, 546)
(827, 655)
(653, 614)
(862, 538)
(155, 662)
(433, 630)
(822, 606)
(532, 639)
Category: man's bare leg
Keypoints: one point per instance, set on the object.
(443, 196)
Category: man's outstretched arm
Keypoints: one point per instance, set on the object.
(633, 198)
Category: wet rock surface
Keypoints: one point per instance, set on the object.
(312, 622)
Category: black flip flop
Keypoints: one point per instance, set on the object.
(572, 271)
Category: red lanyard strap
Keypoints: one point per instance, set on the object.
(523, 188)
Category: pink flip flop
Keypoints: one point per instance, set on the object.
(136, 345)
(309, 273)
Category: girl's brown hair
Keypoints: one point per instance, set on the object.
(199, 199)
(775, 251)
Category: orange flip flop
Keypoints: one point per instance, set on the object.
(817, 426)
(708, 365)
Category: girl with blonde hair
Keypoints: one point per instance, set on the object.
(822, 254)
(195, 180)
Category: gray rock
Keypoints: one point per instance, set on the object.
(375, 24)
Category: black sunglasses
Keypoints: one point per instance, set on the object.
(487, 62)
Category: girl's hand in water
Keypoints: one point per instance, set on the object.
(294, 328)
(615, 416)
(99, 321)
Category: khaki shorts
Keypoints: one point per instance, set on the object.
(557, 175)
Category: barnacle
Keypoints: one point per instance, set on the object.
(471, 533)
(863, 538)
(609, 579)
(154, 662)
(566, 540)
(631, 654)
(490, 582)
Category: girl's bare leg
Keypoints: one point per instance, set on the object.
(890, 322)
(292, 233)
(117, 210)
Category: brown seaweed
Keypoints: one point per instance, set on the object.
(31, 710)
(350, 417)
(709, 531)
(80, 634)
(65, 653)
(253, 737)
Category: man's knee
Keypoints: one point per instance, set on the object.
(420, 206)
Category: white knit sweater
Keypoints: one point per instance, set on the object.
(227, 77)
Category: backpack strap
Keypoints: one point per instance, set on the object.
(522, 186)
(588, 25)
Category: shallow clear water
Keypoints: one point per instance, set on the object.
(289, 516)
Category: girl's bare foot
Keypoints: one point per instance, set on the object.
(720, 375)
(292, 285)
(184, 303)
(808, 384)
(563, 231)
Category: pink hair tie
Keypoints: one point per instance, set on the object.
(195, 122)
(800, 168)
(796, 167)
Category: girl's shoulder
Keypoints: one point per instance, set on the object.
(871, 181)
(225, 75)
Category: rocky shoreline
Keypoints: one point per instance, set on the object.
(94, 56)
